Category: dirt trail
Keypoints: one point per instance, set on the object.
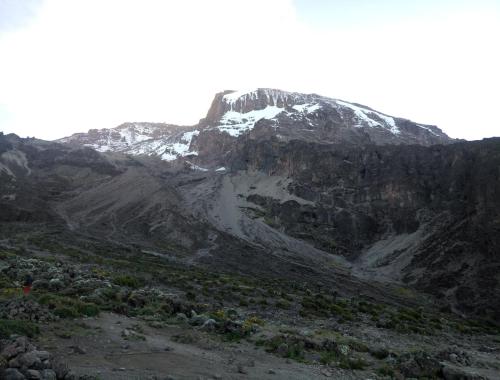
(100, 349)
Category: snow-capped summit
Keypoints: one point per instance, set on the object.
(261, 113)
(237, 112)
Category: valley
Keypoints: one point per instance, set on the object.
(284, 236)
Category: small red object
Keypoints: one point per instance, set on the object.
(27, 289)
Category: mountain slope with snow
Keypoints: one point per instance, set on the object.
(153, 139)
(290, 114)
(262, 114)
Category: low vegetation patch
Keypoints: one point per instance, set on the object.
(10, 327)
(65, 307)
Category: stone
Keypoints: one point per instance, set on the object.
(242, 369)
(46, 364)
(78, 350)
(33, 374)
(10, 351)
(70, 376)
(326, 373)
(49, 374)
(42, 355)
(29, 360)
(22, 343)
(60, 368)
(453, 373)
(14, 363)
(198, 320)
(12, 374)
(209, 325)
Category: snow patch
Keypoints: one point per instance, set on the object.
(196, 167)
(181, 148)
(428, 129)
(234, 96)
(236, 123)
(363, 116)
(306, 108)
(221, 169)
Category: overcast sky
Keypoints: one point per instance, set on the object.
(67, 66)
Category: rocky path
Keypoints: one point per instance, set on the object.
(113, 346)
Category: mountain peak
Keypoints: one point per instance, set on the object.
(262, 113)
(237, 112)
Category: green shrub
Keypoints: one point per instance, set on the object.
(10, 327)
(88, 309)
(328, 357)
(5, 282)
(66, 312)
(65, 307)
(128, 281)
(283, 304)
(380, 353)
(294, 348)
(349, 363)
(358, 346)
(386, 370)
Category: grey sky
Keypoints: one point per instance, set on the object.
(70, 65)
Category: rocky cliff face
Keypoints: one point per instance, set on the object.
(427, 216)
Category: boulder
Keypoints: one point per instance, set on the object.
(209, 325)
(49, 374)
(30, 360)
(198, 320)
(10, 351)
(33, 374)
(43, 355)
(12, 374)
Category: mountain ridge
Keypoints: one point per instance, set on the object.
(263, 113)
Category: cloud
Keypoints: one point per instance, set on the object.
(95, 64)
